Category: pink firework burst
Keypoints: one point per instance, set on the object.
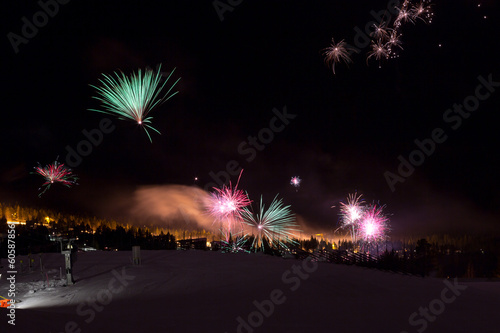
(227, 201)
(373, 226)
(227, 204)
(295, 181)
(55, 173)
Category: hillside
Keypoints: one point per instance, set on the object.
(204, 291)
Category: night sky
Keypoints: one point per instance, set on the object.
(348, 129)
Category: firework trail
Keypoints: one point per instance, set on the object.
(227, 205)
(133, 97)
(277, 225)
(55, 173)
(386, 36)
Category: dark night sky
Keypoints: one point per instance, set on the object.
(349, 128)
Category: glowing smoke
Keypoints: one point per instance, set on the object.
(175, 206)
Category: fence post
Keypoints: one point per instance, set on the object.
(136, 255)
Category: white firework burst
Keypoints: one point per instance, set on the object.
(378, 51)
(336, 53)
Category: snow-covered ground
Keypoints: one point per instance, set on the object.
(203, 291)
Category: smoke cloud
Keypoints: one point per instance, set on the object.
(175, 206)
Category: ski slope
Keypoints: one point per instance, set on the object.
(204, 291)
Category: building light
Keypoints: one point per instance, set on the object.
(17, 222)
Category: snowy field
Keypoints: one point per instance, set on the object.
(203, 291)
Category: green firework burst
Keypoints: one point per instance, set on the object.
(133, 97)
(277, 225)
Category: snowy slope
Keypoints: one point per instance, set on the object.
(197, 291)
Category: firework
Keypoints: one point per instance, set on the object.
(404, 14)
(351, 212)
(276, 225)
(235, 245)
(336, 53)
(227, 204)
(379, 51)
(133, 97)
(55, 173)
(422, 11)
(295, 181)
(353, 209)
(380, 31)
(386, 35)
(393, 43)
(373, 226)
(367, 224)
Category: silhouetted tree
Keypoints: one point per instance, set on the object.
(3, 225)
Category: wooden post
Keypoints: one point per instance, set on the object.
(136, 255)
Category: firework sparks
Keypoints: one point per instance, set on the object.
(295, 181)
(336, 53)
(133, 97)
(379, 51)
(367, 224)
(404, 14)
(393, 44)
(353, 209)
(351, 212)
(55, 173)
(276, 225)
(235, 245)
(374, 225)
(423, 12)
(380, 31)
(386, 34)
(227, 204)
